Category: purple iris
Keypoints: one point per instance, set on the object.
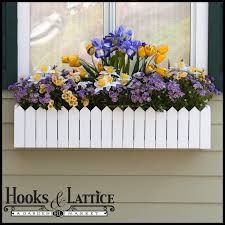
(99, 53)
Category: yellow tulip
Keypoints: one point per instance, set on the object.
(149, 68)
(65, 59)
(90, 49)
(163, 49)
(159, 58)
(74, 63)
(99, 67)
(150, 50)
(82, 72)
(161, 71)
(141, 51)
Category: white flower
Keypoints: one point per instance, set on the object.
(36, 78)
(109, 70)
(83, 84)
(105, 81)
(124, 78)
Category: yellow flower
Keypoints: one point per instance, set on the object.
(60, 78)
(59, 83)
(149, 68)
(64, 96)
(109, 79)
(42, 88)
(44, 68)
(82, 72)
(124, 76)
(74, 61)
(163, 49)
(64, 91)
(162, 71)
(36, 77)
(51, 102)
(50, 106)
(141, 51)
(54, 78)
(65, 59)
(109, 69)
(69, 92)
(90, 49)
(150, 50)
(55, 71)
(85, 102)
(76, 78)
(99, 67)
(101, 82)
(159, 58)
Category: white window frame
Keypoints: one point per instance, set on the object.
(199, 33)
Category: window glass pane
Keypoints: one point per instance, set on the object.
(159, 23)
(63, 28)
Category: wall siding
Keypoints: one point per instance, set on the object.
(149, 185)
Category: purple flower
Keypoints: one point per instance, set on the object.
(174, 91)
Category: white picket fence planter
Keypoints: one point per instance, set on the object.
(112, 129)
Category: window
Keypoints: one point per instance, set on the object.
(48, 30)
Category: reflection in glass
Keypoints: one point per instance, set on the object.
(63, 28)
(159, 23)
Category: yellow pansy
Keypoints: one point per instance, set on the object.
(69, 92)
(64, 96)
(85, 102)
(90, 49)
(162, 49)
(159, 58)
(81, 71)
(59, 83)
(64, 91)
(76, 78)
(150, 50)
(65, 59)
(54, 78)
(181, 75)
(99, 67)
(149, 68)
(42, 88)
(162, 71)
(141, 51)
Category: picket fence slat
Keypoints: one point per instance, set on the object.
(171, 134)
(161, 129)
(183, 128)
(41, 135)
(139, 128)
(19, 126)
(194, 122)
(96, 128)
(85, 132)
(52, 139)
(205, 132)
(117, 128)
(150, 128)
(108, 128)
(30, 128)
(74, 128)
(63, 121)
(128, 128)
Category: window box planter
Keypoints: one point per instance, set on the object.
(112, 129)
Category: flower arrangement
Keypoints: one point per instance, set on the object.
(128, 72)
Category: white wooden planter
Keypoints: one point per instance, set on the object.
(112, 129)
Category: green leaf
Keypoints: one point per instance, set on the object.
(136, 66)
